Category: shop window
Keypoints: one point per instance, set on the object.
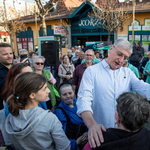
(5, 39)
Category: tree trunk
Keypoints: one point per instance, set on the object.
(108, 38)
(43, 26)
(11, 41)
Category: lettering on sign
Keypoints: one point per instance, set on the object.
(87, 22)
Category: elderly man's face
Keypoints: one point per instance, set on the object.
(24, 53)
(139, 47)
(77, 53)
(117, 57)
(89, 56)
(69, 54)
(73, 49)
(81, 56)
(148, 55)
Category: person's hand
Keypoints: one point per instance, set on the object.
(50, 81)
(25, 60)
(95, 136)
(68, 77)
(146, 71)
(141, 60)
(82, 139)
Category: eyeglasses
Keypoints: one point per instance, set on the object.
(121, 54)
(89, 55)
(38, 63)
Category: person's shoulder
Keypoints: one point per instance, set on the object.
(94, 68)
(45, 72)
(80, 66)
(142, 48)
(2, 67)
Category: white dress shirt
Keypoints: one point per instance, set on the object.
(101, 86)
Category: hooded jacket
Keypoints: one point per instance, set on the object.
(117, 139)
(36, 129)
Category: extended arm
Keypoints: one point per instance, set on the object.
(84, 102)
(140, 86)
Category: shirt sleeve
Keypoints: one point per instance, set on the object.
(60, 72)
(140, 86)
(137, 73)
(75, 78)
(85, 93)
(146, 67)
(60, 139)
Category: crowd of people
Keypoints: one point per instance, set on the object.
(88, 102)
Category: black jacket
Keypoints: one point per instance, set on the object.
(116, 139)
(78, 62)
(137, 54)
(3, 75)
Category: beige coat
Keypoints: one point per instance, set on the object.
(62, 72)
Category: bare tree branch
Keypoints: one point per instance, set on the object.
(109, 16)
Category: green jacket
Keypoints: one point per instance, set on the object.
(148, 68)
(134, 69)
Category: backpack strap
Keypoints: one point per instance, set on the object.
(68, 119)
(64, 68)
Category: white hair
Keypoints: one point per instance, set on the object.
(23, 50)
(64, 86)
(69, 50)
(37, 57)
(77, 50)
(89, 50)
(123, 43)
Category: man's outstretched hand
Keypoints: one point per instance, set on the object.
(95, 136)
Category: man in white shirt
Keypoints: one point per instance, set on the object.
(101, 85)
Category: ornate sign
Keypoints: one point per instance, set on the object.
(146, 27)
(137, 27)
(88, 23)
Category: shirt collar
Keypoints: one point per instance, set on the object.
(84, 65)
(105, 64)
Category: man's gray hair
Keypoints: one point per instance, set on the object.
(69, 50)
(23, 50)
(81, 52)
(37, 57)
(123, 43)
(77, 50)
(64, 86)
(133, 110)
(89, 50)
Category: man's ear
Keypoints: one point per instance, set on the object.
(111, 47)
(93, 57)
(117, 118)
(32, 96)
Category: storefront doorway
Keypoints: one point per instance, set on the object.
(81, 40)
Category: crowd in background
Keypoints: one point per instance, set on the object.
(29, 89)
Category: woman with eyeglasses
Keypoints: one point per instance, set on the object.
(38, 63)
(65, 70)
